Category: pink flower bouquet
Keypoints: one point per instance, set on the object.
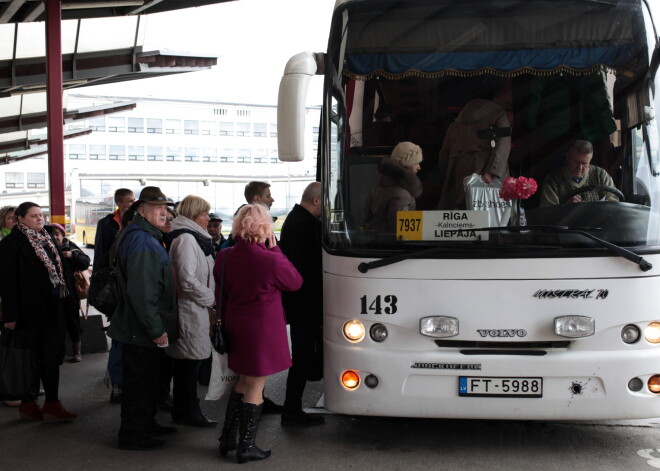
(519, 188)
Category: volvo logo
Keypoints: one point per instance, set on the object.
(502, 332)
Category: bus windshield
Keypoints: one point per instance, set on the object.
(482, 91)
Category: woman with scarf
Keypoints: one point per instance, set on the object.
(191, 252)
(34, 295)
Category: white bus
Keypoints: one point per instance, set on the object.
(557, 319)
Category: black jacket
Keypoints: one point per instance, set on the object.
(300, 240)
(106, 230)
(28, 296)
(79, 261)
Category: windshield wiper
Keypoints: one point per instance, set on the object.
(644, 265)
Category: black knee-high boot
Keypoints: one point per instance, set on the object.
(228, 438)
(248, 424)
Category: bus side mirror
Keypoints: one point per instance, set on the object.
(291, 104)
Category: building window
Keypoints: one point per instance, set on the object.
(136, 125)
(14, 179)
(154, 153)
(244, 156)
(273, 130)
(192, 154)
(77, 152)
(117, 152)
(243, 112)
(243, 129)
(97, 124)
(260, 130)
(227, 155)
(209, 128)
(220, 111)
(135, 152)
(226, 129)
(173, 154)
(154, 126)
(191, 127)
(116, 124)
(172, 126)
(209, 154)
(36, 180)
(97, 152)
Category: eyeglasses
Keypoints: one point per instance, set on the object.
(169, 219)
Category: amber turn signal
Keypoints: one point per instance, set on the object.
(350, 379)
(654, 384)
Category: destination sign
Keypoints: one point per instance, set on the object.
(441, 225)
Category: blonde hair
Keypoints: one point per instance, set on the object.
(253, 224)
(192, 206)
(3, 213)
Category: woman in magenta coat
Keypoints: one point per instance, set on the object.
(255, 274)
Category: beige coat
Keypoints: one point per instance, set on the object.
(195, 292)
(463, 153)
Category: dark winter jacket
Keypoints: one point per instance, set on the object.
(300, 241)
(28, 296)
(106, 230)
(79, 261)
(145, 276)
(395, 190)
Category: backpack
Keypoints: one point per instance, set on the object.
(104, 292)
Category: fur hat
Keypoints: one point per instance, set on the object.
(407, 154)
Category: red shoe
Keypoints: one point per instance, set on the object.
(30, 411)
(55, 412)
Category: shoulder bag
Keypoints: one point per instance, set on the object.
(219, 337)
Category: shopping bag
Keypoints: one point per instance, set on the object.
(17, 369)
(482, 196)
(222, 380)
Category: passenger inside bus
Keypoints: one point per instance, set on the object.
(396, 188)
(578, 181)
(478, 141)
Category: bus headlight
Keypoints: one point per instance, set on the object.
(575, 326)
(378, 332)
(652, 332)
(350, 379)
(630, 333)
(353, 331)
(438, 326)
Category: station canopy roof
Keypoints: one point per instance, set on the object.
(102, 42)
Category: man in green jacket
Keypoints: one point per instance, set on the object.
(144, 320)
(578, 173)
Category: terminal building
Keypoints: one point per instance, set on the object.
(209, 149)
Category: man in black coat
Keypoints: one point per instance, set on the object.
(300, 240)
(107, 228)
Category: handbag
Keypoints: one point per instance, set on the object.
(103, 291)
(81, 279)
(223, 379)
(219, 338)
(17, 369)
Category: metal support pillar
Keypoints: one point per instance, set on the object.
(55, 110)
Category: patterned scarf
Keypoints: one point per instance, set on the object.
(38, 240)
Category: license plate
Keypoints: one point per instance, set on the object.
(481, 386)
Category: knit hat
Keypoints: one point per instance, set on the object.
(407, 154)
(60, 227)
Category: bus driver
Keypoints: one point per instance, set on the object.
(578, 173)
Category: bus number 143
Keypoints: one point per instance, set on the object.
(376, 305)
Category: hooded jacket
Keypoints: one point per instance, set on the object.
(195, 288)
(145, 277)
(395, 190)
(464, 153)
